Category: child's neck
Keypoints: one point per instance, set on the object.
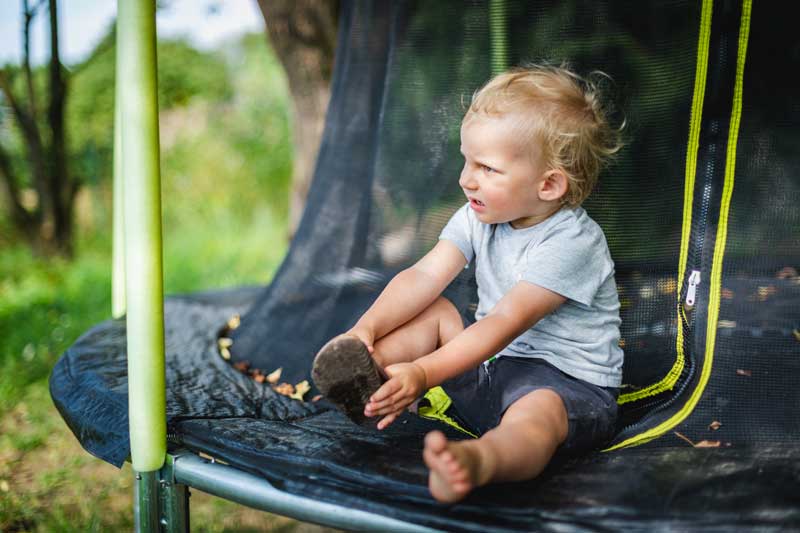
(527, 222)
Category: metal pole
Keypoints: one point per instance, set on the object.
(247, 489)
(146, 514)
(136, 34)
(498, 30)
(174, 500)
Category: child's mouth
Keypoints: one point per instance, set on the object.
(476, 204)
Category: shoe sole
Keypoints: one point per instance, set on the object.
(345, 374)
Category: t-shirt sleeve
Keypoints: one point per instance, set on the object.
(570, 261)
(459, 231)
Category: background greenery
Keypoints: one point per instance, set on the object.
(226, 164)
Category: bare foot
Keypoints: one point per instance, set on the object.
(455, 467)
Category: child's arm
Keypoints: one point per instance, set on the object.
(523, 306)
(410, 292)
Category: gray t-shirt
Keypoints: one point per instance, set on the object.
(567, 254)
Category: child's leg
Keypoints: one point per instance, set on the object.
(519, 448)
(432, 328)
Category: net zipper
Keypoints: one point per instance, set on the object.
(689, 297)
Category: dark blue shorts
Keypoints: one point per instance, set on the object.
(482, 395)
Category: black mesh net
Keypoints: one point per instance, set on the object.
(385, 185)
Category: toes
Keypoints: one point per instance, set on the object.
(435, 441)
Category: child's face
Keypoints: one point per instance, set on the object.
(502, 179)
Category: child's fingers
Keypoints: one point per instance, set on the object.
(388, 389)
(385, 421)
(398, 394)
(396, 403)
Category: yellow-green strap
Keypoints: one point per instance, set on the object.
(439, 403)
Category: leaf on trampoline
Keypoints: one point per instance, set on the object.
(727, 294)
(796, 333)
(683, 437)
(259, 377)
(224, 342)
(764, 293)
(242, 366)
(708, 444)
(234, 321)
(742, 372)
(316, 398)
(287, 389)
(225, 353)
(300, 390)
(274, 376)
(715, 425)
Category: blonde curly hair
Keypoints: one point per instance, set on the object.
(560, 111)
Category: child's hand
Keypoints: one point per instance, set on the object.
(365, 335)
(407, 382)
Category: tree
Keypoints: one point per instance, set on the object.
(47, 220)
(303, 35)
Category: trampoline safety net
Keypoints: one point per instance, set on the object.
(706, 189)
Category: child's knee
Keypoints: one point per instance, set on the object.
(450, 321)
(542, 409)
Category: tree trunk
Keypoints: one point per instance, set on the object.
(48, 225)
(62, 189)
(303, 35)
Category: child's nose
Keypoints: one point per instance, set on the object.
(467, 181)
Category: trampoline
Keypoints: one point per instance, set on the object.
(700, 213)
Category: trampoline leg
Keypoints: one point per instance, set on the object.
(145, 502)
(174, 500)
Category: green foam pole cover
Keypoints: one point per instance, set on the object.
(118, 225)
(498, 29)
(142, 212)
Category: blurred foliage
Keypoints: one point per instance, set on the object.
(184, 75)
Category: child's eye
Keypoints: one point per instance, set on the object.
(487, 168)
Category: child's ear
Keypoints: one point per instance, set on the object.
(553, 186)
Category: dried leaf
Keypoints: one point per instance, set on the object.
(684, 437)
(225, 353)
(787, 273)
(727, 294)
(742, 372)
(316, 398)
(796, 333)
(765, 292)
(242, 366)
(274, 376)
(224, 342)
(715, 425)
(708, 444)
(260, 378)
(234, 322)
(287, 389)
(300, 390)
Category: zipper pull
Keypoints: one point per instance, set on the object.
(694, 281)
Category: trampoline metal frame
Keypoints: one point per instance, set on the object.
(184, 468)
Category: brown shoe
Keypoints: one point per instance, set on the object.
(345, 373)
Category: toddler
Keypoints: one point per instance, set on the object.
(538, 370)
